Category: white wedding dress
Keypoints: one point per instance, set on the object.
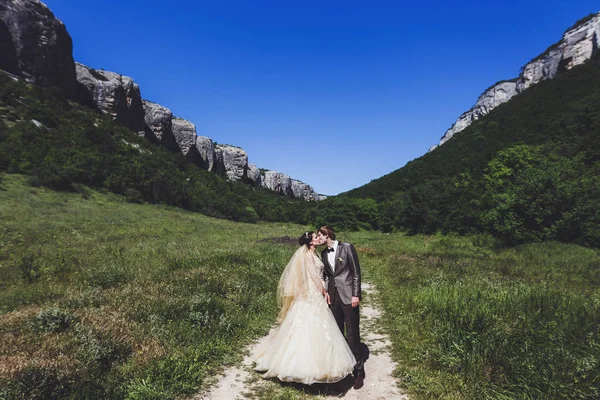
(307, 345)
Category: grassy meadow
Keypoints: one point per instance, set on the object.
(101, 298)
(469, 321)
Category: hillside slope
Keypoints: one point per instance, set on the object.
(527, 171)
(63, 145)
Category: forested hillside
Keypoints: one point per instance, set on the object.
(65, 146)
(528, 171)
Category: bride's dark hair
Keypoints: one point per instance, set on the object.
(305, 239)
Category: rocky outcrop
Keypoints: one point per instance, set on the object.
(185, 136)
(282, 183)
(206, 150)
(253, 175)
(159, 125)
(233, 161)
(304, 191)
(278, 182)
(575, 48)
(35, 45)
(114, 94)
(490, 99)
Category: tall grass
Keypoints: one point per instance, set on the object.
(100, 298)
(472, 322)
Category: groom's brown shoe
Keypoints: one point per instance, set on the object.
(359, 381)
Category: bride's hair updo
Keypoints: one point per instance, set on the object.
(305, 239)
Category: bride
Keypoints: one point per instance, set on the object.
(306, 346)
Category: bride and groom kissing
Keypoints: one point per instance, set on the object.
(318, 300)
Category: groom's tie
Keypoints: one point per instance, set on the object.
(331, 259)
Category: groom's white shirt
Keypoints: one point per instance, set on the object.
(331, 254)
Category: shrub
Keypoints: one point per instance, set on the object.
(52, 320)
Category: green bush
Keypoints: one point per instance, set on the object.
(52, 320)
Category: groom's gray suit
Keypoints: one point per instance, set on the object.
(343, 283)
(345, 277)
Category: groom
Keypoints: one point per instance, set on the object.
(342, 277)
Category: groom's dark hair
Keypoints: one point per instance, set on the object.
(327, 231)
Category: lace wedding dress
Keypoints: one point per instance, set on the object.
(306, 346)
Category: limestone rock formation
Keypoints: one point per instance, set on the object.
(493, 97)
(576, 47)
(206, 150)
(114, 94)
(185, 136)
(304, 191)
(35, 45)
(253, 175)
(278, 182)
(159, 125)
(233, 161)
(282, 183)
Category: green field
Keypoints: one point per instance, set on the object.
(101, 298)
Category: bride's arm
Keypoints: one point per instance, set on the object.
(311, 269)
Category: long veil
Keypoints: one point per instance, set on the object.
(293, 282)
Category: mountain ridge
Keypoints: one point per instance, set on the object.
(576, 47)
(36, 46)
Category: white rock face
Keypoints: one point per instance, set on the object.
(575, 48)
(304, 191)
(493, 97)
(206, 149)
(253, 174)
(278, 182)
(185, 135)
(282, 183)
(114, 94)
(234, 161)
(159, 125)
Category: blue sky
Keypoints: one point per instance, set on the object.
(334, 93)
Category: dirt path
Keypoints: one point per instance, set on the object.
(241, 382)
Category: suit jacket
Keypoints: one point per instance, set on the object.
(346, 276)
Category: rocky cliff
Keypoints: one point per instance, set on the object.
(233, 161)
(576, 47)
(208, 156)
(278, 182)
(35, 45)
(114, 94)
(159, 125)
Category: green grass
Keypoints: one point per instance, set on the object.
(101, 298)
(471, 322)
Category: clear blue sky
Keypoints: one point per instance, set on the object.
(334, 93)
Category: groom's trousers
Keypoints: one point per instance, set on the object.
(348, 317)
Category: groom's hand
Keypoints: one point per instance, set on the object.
(355, 301)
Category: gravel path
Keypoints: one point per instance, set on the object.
(241, 382)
